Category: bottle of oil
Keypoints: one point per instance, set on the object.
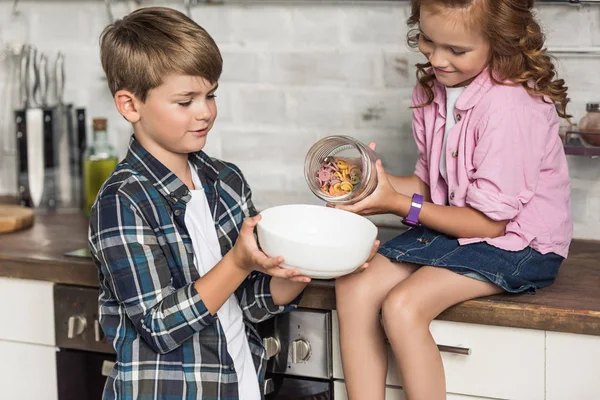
(100, 160)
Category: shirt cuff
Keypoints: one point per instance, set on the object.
(265, 299)
(198, 315)
(497, 206)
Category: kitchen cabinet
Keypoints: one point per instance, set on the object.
(393, 393)
(27, 343)
(27, 311)
(573, 366)
(504, 363)
(27, 371)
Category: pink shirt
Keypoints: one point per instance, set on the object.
(504, 158)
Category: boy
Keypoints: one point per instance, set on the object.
(182, 279)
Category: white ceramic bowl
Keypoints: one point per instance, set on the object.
(321, 242)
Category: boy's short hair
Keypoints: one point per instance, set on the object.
(140, 50)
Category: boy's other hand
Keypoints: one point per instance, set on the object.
(371, 256)
(248, 256)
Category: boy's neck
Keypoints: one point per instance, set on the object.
(177, 163)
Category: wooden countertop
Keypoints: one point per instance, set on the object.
(572, 304)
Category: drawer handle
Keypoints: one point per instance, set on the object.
(454, 350)
(463, 351)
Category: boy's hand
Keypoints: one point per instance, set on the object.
(248, 256)
(371, 256)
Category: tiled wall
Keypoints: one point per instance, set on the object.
(298, 72)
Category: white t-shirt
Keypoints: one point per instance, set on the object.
(452, 95)
(207, 253)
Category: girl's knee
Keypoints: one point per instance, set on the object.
(401, 311)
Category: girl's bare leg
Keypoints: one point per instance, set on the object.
(359, 298)
(407, 312)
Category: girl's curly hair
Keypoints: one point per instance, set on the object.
(517, 52)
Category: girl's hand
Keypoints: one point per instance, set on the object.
(247, 256)
(381, 201)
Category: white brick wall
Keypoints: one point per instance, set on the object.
(296, 73)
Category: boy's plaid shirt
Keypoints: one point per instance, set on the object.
(168, 345)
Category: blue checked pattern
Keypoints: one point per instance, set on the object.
(168, 345)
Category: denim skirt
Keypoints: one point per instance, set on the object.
(514, 271)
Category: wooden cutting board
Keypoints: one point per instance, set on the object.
(13, 217)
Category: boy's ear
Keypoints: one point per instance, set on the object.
(128, 105)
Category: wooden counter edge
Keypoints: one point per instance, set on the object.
(70, 273)
(488, 312)
(321, 295)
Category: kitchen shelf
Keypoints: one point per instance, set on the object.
(575, 146)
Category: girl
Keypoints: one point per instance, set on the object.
(488, 202)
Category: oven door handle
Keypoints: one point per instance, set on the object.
(107, 367)
(268, 386)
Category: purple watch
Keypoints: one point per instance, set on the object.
(412, 219)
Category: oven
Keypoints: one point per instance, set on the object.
(298, 347)
(84, 358)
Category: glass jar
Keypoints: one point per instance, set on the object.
(591, 123)
(100, 160)
(340, 170)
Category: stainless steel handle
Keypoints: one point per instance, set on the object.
(272, 346)
(98, 335)
(76, 324)
(59, 78)
(24, 76)
(454, 350)
(34, 95)
(300, 351)
(268, 386)
(463, 351)
(107, 367)
(44, 79)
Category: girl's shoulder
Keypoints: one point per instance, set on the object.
(509, 96)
